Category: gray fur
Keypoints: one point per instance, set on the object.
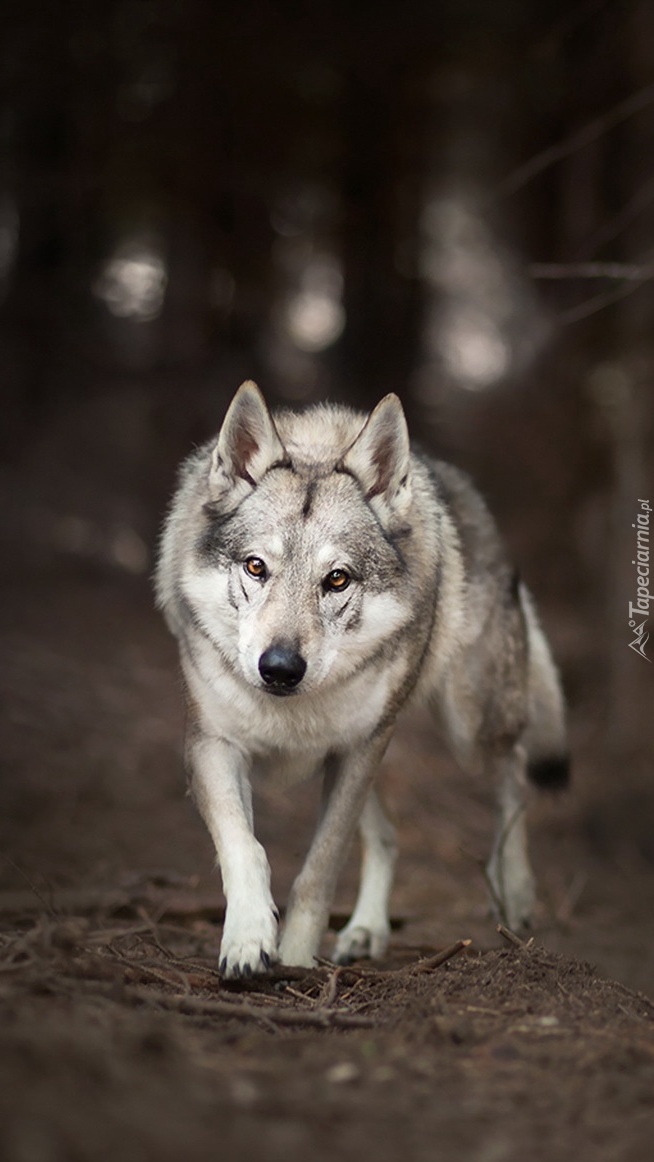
(430, 608)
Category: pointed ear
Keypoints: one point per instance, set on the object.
(248, 443)
(380, 458)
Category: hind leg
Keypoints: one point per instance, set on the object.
(368, 930)
(484, 711)
(509, 872)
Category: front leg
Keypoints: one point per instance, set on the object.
(347, 784)
(221, 788)
(368, 930)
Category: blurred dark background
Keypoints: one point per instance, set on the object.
(453, 200)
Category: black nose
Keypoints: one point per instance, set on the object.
(282, 668)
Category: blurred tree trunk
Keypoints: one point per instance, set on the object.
(382, 304)
(36, 103)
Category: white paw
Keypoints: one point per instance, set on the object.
(514, 895)
(355, 942)
(249, 943)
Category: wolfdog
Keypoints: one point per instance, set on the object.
(318, 574)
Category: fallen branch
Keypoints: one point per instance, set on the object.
(240, 1011)
(427, 964)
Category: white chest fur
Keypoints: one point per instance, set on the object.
(287, 738)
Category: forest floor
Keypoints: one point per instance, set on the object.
(118, 1040)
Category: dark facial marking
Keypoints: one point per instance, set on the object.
(308, 500)
(341, 470)
(354, 622)
(341, 611)
(215, 536)
(285, 464)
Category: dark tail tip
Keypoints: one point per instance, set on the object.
(550, 774)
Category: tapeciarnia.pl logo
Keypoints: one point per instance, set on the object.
(641, 605)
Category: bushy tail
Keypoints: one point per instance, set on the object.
(545, 737)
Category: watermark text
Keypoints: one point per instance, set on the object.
(639, 610)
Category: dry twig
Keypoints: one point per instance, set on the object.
(330, 987)
(511, 938)
(432, 962)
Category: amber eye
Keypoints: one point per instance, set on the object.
(256, 568)
(336, 581)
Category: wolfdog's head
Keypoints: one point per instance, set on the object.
(299, 574)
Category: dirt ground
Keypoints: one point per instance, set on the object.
(119, 1041)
